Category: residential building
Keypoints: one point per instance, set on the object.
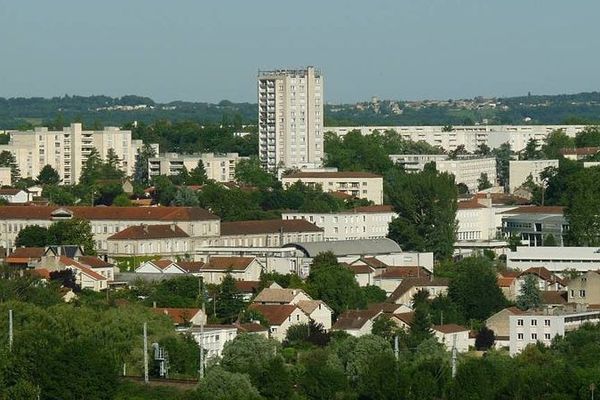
(318, 312)
(267, 233)
(357, 322)
(67, 150)
(451, 336)
(416, 162)
(409, 286)
(542, 326)
(290, 118)
(23, 258)
(370, 222)
(15, 195)
(468, 170)
(579, 153)
(182, 316)
(555, 259)
(545, 280)
(476, 222)
(500, 324)
(85, 276)
(585, 288)
(363, 185)
(150, 240)
(389, 279)
(280, 318)
(212, 338)
(507, 281)
(240, 268)
(536, 224)
(106, 221)
(469, 136)
(520, 170)
(218, 167)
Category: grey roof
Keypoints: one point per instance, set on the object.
(348, 247)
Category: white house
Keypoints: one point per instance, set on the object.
(356, 322)
(451, 335)
(317, 311)
(214, 338)
(15, 195)
(281, 296)
(240, 268)
(150, 240)
(409, 286)
(280, 318)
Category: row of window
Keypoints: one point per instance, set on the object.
(534, 336)
(533, 322)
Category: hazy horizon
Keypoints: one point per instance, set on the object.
(397, 50)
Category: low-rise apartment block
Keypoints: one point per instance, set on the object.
(267, 233)
(555, 259)
(370, 222)
(519, 171)
(537, 225)
(468, 170)
(585, 288)
(219, 167)
(364, 185)
(416, 162)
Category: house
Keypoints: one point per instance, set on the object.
(389, 279)
(545, 279)
(273, 296)
(452, 335)
(253, 328)
(162, 266)
(280, 318)
(507, 281)
(403, 319)
(319, 312)
(102, 267)
(212, 338)
(268, 233)
(409, 286)
(241, 268)
(25, 257)
(85, 277)
(182, 316)
(150, 240)
(247, 289)
(585, 288)
(553, 298)
(364, 274)
(356, 322)
(500, 324)
(71, 251)
(15, 195)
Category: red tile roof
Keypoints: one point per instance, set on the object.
(247, 286)
(267, 226)
(94, 262)
(449, 328)
(536, 210)
(275, 314)
(382, 208)
(373, 262)
(9, 191)
(69, 262)
(227, 263)
(41, 273)
(177, 315)
(580, 151)
(339, 174)
(109, 213)
(545, 274)
(553, 297)
(406, 317)
(23, 255)
(409, 283)
(470, 205)
(191, 266)
(355, 319)
(404, 272)
(505, 281)
(149, 232)
(359, 269)
(251, 327)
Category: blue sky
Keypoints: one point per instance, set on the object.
(208, 51)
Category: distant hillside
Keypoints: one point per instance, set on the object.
(105, 111)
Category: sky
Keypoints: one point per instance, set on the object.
(200, 50)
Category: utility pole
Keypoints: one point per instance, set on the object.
(454, 356)
(202, 320)
(145, 352)
(10, 330)
(396, 347)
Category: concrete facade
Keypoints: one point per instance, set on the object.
(290, 118)
(219, 167)
(518, 171)
(468, 170)
(555, 259)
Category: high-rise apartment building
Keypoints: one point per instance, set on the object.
(67, 150)
(290, 118)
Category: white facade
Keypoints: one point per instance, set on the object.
(348, 225)
(290, 118)
(519, 171)
(458, 338)
(476, 221)
(67, 150)
(219, 167)
(469, 170)
(555, 259)
(543, 326)
(15, 195)
(214, 338)
(5, 176)
(470, 136)
(416, 162)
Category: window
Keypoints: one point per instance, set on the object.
(547, 322)
(519, 322)
(547, 336)
(582, 293)
(534, 336)
(519, 336)
(534, 322)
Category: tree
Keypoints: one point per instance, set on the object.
(583, 208)
(555, 142)
(334, 284)
(72, 232)
(503, 155)
(474, 288)
(462, 189)
(458, 151)
(48, 176)
(550, 240)
(122, 200)
(66, 278)
(164, 190)
(220, 384)
(588, 137)
(59, 195)
(92, 169)
(140, 169)
(420, 328)
(250, 172)
(32, 236)
(485, 338)
(185, 197)
(531, 151)
(529, 295)
(229, 304)
(374, 294)
(310, 333)
(426, 206)
(383, 326)
(7, 159)
(319, 379)
(483, 150)
(198, 175)
(514, 241)
(111, 168)
(483, 182)
(247, 351)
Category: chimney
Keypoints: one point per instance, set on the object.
(153, 304)
(173, 227)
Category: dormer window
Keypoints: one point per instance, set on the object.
(61, 214)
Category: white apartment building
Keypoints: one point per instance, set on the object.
(290, 118)
(519, 171)
(219, 167)
(543, 325)
(470, 136)
(476, 220)
(370, 222)
(468, 170)
(416, 162)
(67, 150)
(364, 185)
(555, 259)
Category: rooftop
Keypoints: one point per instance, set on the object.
(149, 232)
(348, 247)
(107, 213)
(276, 314)
(267, 226)
(355, 319)
(331, 175)
(276, 295)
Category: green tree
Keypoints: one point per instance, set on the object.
(111, 168)
(185, 197)
(384, 326)
(555, 141)
(483, 150)
(485, 339)
(483, 182)
(529, 295)
(420, 328)
(247, 351)
(503, 155)
(164, 190)
(32, 236)
(92, 169)
(122, 200)
(48, 176)
(59, 195)
(374, 294)
(229, 304)
(514, 241)
(72, 232)
(220, 384)
(250, 172)
(334, 284)
(550, 240)
(426, 206)
(140, 170)
(198, 175)
(474, 288)
(588, 137)
(319, 379)
(7, 159)
(583, 208)
(531, 151)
